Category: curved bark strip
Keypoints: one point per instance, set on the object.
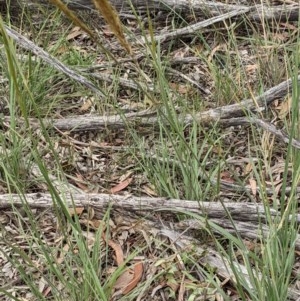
(221, 265)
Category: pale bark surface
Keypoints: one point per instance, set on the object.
(240, 211)
(249, 219)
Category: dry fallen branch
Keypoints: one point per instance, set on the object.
(249, 230)
(149, 119)
(230, 115)
(248, 218)
(246, 212)
(146, 118)
(213, 213)
(206, 8)
(262, 124)
(216, 261)
(38, 51)
(73, 74)
(191, 29)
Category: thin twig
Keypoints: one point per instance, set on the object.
(264, 125)
(191, 29)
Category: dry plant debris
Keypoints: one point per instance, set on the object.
(99, 159)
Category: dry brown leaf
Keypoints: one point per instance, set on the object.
(76, 211)
(137, 275)
(131, 276)
(118, 251)
(253, 186)
(149, 190)
(252, 67)
(121, 186)
(95, 223)
(180, 88)
(86, 105)
(181, 289)
(47, 291)
(285, 108)
(61, 258)
(63, 7)
(226, 177)
(248, 168)
(75, 32)
(79, 182)
(124, 279)
(62, 49)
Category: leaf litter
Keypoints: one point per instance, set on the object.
(102, 163)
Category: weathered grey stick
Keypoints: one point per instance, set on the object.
(225, 115)
(192, 29)
(208, 8)
(149, 119)
(249, 218)
(240, 211)
(213, 259)
(38, 51)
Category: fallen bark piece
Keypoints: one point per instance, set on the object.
(140, 205)
(215, 261)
